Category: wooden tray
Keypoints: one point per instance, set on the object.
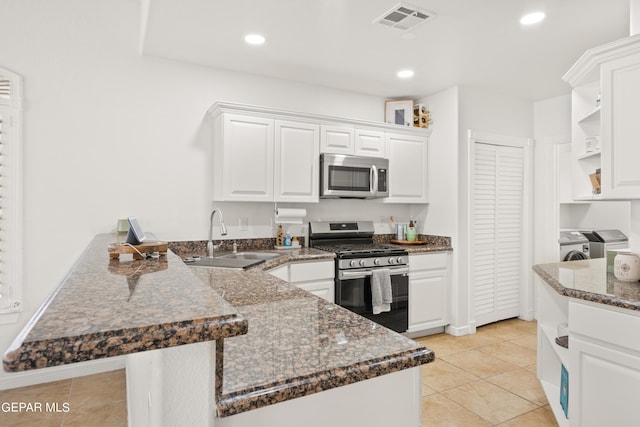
(117, 249)
(406, 242)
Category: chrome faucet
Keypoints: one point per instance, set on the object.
(223, 232)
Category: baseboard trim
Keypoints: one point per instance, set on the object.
(458, 331)
(57, 373)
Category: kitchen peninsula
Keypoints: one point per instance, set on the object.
(221, 347)
(602, 317)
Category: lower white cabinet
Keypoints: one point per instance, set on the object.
(312, 276)
(604, 355)
(428, 291)
(602, 361)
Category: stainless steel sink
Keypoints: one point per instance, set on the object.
(238, 261)
(250, 255)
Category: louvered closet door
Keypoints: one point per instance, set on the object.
(496, 215)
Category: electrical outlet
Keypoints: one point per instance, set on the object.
(244, 224)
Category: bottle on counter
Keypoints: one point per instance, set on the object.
(280, 236)
(411, 232)
(287, 239)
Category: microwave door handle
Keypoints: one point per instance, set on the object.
(374, 180)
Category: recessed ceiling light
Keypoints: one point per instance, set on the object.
(255, 39)
(532, 18)
(405, 74)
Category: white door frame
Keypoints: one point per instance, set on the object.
(526, 274)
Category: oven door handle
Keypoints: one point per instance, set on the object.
(367, 273)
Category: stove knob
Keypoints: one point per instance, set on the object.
(362, 263)
(391, 260)
(376, 261)
(353, 263)
(400, 260)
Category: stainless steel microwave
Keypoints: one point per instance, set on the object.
(343, 176)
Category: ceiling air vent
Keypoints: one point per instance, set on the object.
(404, 17)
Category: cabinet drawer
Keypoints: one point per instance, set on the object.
(306, 271)
(605, 324)
(428, 261)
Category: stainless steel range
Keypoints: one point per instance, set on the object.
(357, 257)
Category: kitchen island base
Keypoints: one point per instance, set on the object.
(176, 386)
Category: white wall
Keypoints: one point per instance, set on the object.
(552, 127)
(108, 133)
(455, 112)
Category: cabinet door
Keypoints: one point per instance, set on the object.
(370, 143)
(336, 139)
(407, 168)
(621, 128)
(321, 288)
(603, 385)
(297, 152)
(247, 158)
(427, 299)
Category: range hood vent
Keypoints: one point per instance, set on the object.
(404, 17)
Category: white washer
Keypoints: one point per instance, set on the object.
(573, 246)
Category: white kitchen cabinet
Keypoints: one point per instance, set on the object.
(428, 291)
(621, 128)
(297, 150)
(604, 353)
(408, 165)
(603, 359)
(370, 143)
(243, 158)
(348, 140)
(610, 73)
(270, 155)
(337, 139)
(313, 276)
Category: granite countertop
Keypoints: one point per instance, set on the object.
(588, 280)
(283, 342)
(107, 308)
(298, 344)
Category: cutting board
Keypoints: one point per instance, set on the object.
(406, 242)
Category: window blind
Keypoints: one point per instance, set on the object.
(10, 229)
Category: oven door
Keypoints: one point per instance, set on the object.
(353, 292)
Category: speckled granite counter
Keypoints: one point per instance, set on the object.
(433, 243)
(298, 344)
(588, 280)
(109, 307)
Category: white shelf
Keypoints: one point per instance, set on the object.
(553, 396)
(588, 197)
(562, 353)
(592, 116)
(588, 155)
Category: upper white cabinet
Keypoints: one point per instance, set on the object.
(605, 101)
(337, 139)
(352, 141)
(243, 158)
(621, 127)
(369, 142)
(408, 164)
(296, 166)
(270, 155)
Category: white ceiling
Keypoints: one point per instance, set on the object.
(334, 43)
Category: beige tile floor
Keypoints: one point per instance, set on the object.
(485, 379)
(93, 400)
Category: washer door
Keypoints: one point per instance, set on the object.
(575, 256)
